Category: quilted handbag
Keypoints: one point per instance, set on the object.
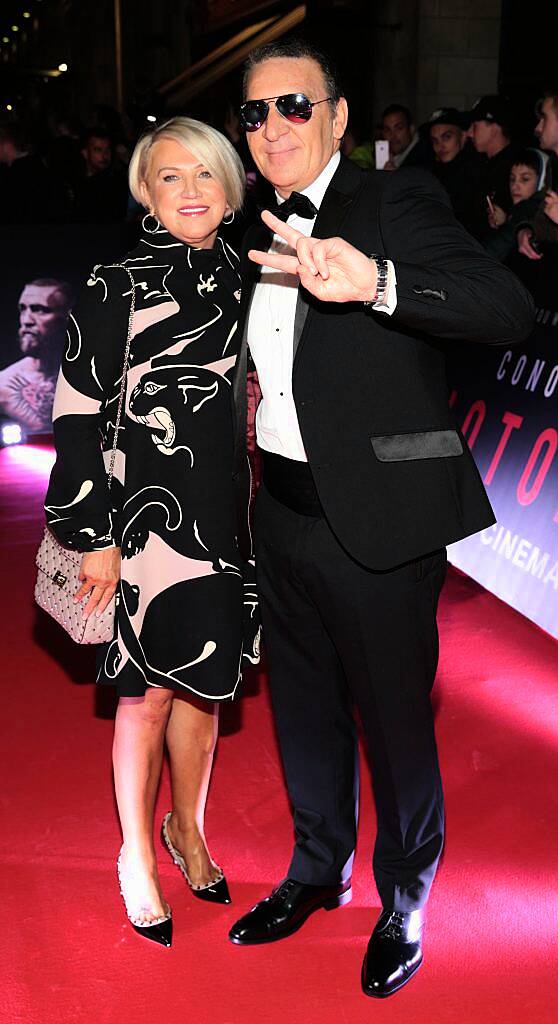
(58, 567)
(57, 582)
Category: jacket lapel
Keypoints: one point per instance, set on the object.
(336, 203)
(257, 237)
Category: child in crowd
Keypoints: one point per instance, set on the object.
(528, 181)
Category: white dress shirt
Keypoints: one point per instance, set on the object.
(398, 160)
(271, 332)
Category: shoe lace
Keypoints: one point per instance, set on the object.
(283, 890)
(394, 926)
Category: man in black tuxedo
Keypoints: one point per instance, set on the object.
(365, 480)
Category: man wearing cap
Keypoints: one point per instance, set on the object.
(491, 125)
(457, 165)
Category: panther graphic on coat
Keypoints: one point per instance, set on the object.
(173, 401)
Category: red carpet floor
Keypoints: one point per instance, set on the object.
(69, 956)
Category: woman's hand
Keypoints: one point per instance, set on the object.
(329, 268)
(100, 572)
(551, 205)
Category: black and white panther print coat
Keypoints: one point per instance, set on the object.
(186, 605)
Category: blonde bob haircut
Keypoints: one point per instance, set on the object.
(211, 148)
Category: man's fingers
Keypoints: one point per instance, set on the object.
(312, 282)
(288, 264)
(320, 260)
(290, 235)
(305, 254)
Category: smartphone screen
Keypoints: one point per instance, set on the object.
(382, 153)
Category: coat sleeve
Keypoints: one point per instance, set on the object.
(447, 285)
(78, 505)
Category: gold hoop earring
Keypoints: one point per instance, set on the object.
(151, 230)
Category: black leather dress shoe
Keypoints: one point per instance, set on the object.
(394, 953)
(286, 910)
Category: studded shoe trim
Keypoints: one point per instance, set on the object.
(181, 863)
(133, 920)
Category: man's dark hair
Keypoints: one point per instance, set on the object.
(63, 287)
(528, 158)
(295, 48)
(95, 133)
(548, 94)
(398, 108)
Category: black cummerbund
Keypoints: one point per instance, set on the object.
(291, 483)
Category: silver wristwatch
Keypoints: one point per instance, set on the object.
(382, 279)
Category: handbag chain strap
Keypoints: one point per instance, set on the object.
(122, 395)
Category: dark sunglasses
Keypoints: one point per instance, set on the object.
(294, 106)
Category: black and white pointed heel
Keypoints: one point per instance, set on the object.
(159, 930)
(213, 892)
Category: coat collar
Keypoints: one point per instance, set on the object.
(162, 244)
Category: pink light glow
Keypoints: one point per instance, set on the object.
(35, 459)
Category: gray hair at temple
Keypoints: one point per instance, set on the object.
(211, 148)
(295, 49)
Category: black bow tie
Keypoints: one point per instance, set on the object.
(296, 203)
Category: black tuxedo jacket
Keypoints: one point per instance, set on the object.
(394, 476)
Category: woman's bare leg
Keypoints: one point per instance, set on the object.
(139, 734)
(191, 737)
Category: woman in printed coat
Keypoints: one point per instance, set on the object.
(164, 535)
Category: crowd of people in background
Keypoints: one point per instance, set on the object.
(501, 178)
(71, 177)
(495, 184)
(502, 183)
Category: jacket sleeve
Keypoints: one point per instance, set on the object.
(447, 285)
(500, 243)
(78, 505)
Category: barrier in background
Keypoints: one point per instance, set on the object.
(506, 403)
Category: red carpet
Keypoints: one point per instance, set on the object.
(70, 957)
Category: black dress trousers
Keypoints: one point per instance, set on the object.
(339, 634)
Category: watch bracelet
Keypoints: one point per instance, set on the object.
(382, 279)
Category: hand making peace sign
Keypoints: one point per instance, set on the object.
(329, 268)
